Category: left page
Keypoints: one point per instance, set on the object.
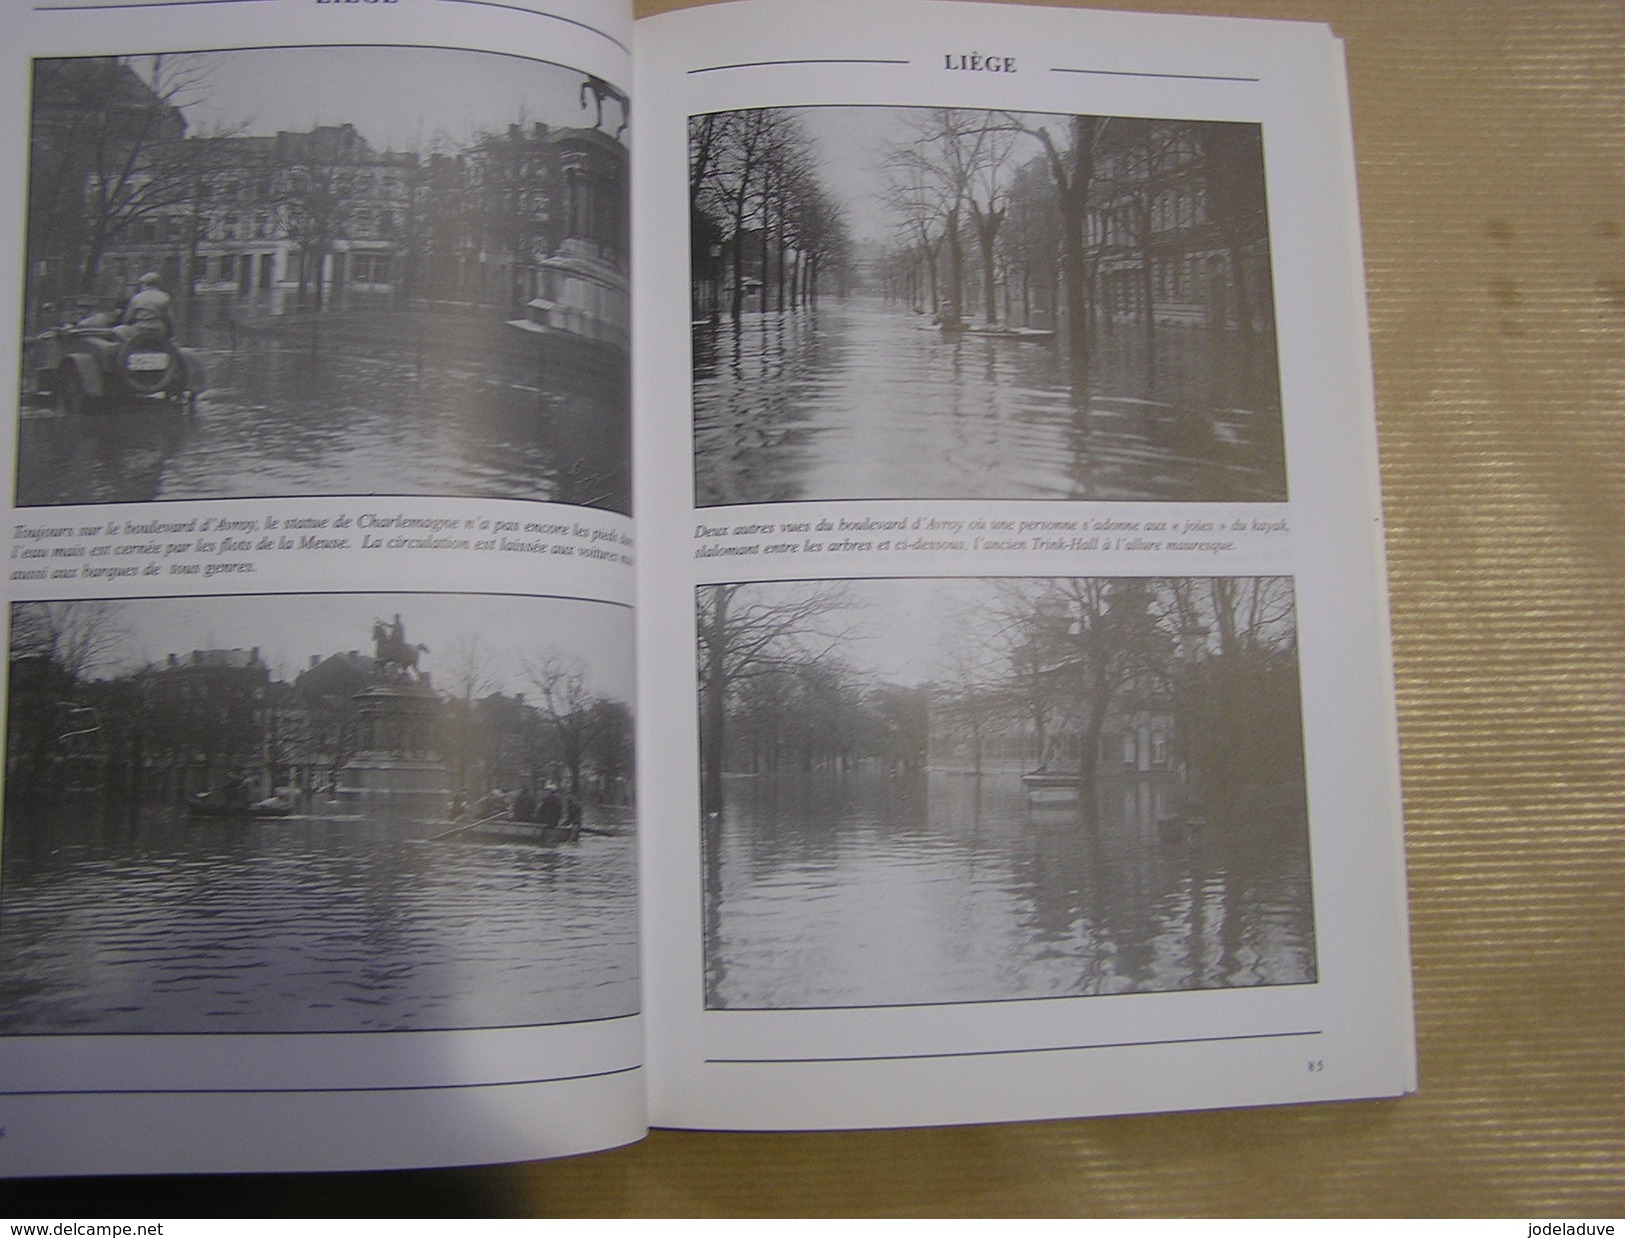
(318, 841)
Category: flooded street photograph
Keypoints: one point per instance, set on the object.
(350, 416)
(895, 303)
(929, 791)
(873, 889)
(306, 925)
(372, 813)
(424, 294)
(859, 400)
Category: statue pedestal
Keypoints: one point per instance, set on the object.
(396, 772)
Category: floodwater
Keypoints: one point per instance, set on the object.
(350, 406)
(857, 400)
(304, 924)
(824, 891)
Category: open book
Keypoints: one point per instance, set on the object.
(776, 566)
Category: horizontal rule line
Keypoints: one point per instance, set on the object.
(413, 1087)
(135, 4)
(530, 12)
(766, 64)
(1178, 77)
(912, 1057)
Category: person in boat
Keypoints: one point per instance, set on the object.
(572, 813)
(524, 804)
(550, 811)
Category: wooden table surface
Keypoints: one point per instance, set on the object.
(1491, 144)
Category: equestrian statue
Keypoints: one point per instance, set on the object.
(391, 650)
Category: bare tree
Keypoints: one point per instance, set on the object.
(108, 158)
(740, 175)
(53, 708)
(77, 637)
(971, 680)
(566, 704)
(1080, 642)
(1235, 681)
(913, 197)
(611, 748)
(1032, 240)
(935, 169)
(954, 165)
(749, 630)
(1072, 162)
(470, 667)
(322, 179)
(1232, 158)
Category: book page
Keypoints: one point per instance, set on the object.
(319, 848)
(1022, 743)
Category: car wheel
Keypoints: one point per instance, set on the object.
(70, 392)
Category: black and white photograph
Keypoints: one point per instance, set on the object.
(940, 303)
(972, 790)
(325, 271)
(322, 813)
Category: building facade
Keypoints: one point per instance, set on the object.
(1177, 221)
(239, 225)
(203, 718)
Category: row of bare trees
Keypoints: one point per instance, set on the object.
(1213, 658)
(1048, 201)
(71, 724)
(559, 729)
(758, 211)
(1050, 660)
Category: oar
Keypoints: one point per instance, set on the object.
(467, 825)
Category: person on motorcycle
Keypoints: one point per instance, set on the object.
(150, 306)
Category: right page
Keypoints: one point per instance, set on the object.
(1018, 733)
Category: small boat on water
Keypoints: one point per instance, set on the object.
(233, 801)
(520, 817)
(1044, 787)
(1180, 827)
(1031, 335)
(510, 832)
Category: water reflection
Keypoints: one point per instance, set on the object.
(387, 404)
(302, 924)
(878, 890)
(857, 400)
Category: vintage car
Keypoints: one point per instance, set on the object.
(97, 362)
